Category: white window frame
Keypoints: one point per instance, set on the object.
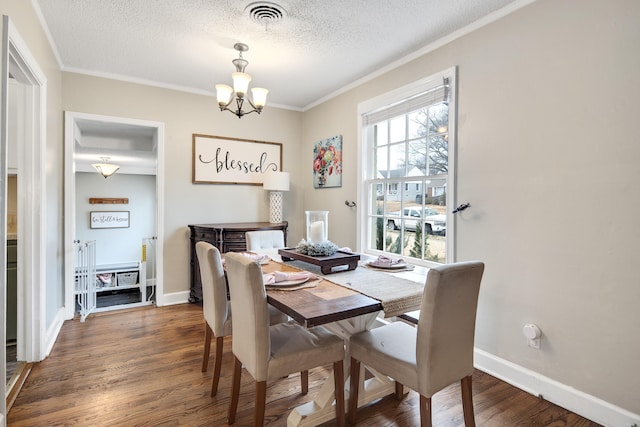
(365, 157)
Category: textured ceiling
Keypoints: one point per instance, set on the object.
(319, 47)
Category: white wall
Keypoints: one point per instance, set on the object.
(548, 154)
(117, 245)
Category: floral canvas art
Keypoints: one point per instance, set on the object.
(327, 163)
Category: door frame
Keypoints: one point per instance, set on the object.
(18, 60)
(70, 129)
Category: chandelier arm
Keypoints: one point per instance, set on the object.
(256, 109)
(239, 103)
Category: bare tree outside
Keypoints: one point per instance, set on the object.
(432, 129)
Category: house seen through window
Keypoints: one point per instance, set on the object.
(406, 146)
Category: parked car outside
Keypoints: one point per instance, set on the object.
(434, 221)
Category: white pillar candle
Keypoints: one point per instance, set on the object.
(316, 231)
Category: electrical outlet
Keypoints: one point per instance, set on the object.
(535, 343)
(533, 334)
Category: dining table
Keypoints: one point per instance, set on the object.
(345, 302)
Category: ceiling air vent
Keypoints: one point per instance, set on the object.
(265, 12)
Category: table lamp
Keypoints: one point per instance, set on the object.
(276, 182)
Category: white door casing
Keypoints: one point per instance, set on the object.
(18, 61)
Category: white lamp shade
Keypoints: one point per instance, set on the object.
(223, 93)
(240, 83)
(259, 96)
(276, 181)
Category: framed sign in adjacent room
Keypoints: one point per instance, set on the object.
(109, 219)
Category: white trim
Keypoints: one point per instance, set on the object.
(160, 176)
(54, 330)
(162, 85)
(47, 32)
(31, 310)
(136, 80)
(70, 130)
(181, 297)
(31, 204)
(4, 136)
(581, 403)
(452, 174)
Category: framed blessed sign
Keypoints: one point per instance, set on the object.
(221, 160)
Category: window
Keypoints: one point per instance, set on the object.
(407, 138)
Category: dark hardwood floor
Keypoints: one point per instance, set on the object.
(141, 367)
(12, 359)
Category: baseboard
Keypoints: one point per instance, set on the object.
(174, 298)
(581, 403)
(52, 333)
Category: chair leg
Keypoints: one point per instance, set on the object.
(304, 381)
(207, 346)
(425, 411)
(399, 390)
(217, 366)
(354, 383)
(235, 390)
(467, 402)
(261, 401)
(338, 377)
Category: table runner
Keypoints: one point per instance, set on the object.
(397, 295)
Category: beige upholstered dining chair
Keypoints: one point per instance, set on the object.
(270, 352)
(216, 308)
(261, 240)
(434, 355)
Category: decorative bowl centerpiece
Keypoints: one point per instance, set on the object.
(324, 248)
(325, 255)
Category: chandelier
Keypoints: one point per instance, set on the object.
(225, 93)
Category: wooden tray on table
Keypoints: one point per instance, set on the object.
(326, 263)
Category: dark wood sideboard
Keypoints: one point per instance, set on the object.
(229, 237)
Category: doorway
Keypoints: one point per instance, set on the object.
(19, 64)
(134, 194)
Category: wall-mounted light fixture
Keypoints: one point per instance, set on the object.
(225, 93)
(105, 168)
(276, 182)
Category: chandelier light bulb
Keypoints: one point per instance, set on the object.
(241, 83)
(259, 96)
(224, 93)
